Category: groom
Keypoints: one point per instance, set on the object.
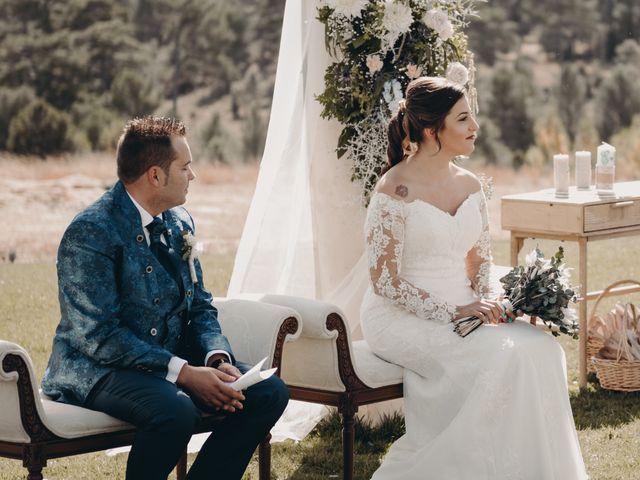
(139, 338)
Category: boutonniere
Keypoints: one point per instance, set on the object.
(190, 252)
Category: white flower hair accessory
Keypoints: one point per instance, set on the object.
(457, 73)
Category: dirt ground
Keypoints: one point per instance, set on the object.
(39, 199)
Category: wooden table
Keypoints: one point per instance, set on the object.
(582, 217)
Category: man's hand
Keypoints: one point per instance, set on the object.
(230, 370)
(210, 386)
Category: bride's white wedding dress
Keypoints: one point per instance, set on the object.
(491, 406)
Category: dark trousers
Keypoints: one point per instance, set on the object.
(166, 418)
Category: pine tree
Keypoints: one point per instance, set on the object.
(571, 98)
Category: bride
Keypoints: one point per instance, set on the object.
(490, 406)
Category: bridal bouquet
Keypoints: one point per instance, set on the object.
(541, 288)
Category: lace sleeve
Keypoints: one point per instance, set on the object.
(479, 260)
(385, 236)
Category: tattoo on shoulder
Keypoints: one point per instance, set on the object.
(402, 191)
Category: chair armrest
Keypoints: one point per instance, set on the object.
(22, 411)
(256, 330)
(323, 356)
(314, 313)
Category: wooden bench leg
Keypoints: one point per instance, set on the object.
(181, 467)
(264, 459)
(348, 411)
(34, 462)
(35, 474)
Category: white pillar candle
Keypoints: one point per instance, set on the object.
(561, 175)
(606, 154)
(583, 170)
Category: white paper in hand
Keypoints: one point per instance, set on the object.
(253, 376)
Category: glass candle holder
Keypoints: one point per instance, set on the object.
(605, 177)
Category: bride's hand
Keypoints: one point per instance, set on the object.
(509, 316)
(489, 311)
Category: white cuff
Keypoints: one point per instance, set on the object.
(173, 369)
(213, 352)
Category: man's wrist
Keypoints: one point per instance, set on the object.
(218, 361)
(173, 369)
(214, 355)
(183, 375)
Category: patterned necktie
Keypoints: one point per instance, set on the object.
(161, 251)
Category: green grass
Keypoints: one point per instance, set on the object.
(608, 422)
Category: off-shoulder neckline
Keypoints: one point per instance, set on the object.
(420, 201)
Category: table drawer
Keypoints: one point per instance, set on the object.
(623, 213)
(549, 217)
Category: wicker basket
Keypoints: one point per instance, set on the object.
(621, 375)
(593, 347)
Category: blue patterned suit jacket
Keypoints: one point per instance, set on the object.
(118, 304)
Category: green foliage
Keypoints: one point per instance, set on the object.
(109, 48)
(133, 94)
(489, 144)
(180, 32)
(81, 14)
(253, 134)
(216, 140)
(571, 98)
(12, 101)
(541, 288)
(147, 21)
(617, 100)
(352, 93)
(550, 137)
(628, 52)
(509, 110)
(493, 32)
(620, 20)
(264, 37)
(39, 129)
(125, 57)
(568, 23)
(100, 124)
(45, 64)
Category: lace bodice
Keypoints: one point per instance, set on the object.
(421, 257)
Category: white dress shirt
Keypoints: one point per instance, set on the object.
(176, 363)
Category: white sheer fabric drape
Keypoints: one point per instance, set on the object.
(304, 232)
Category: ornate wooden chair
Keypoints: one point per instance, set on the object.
(324, 366)
(34, 428)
